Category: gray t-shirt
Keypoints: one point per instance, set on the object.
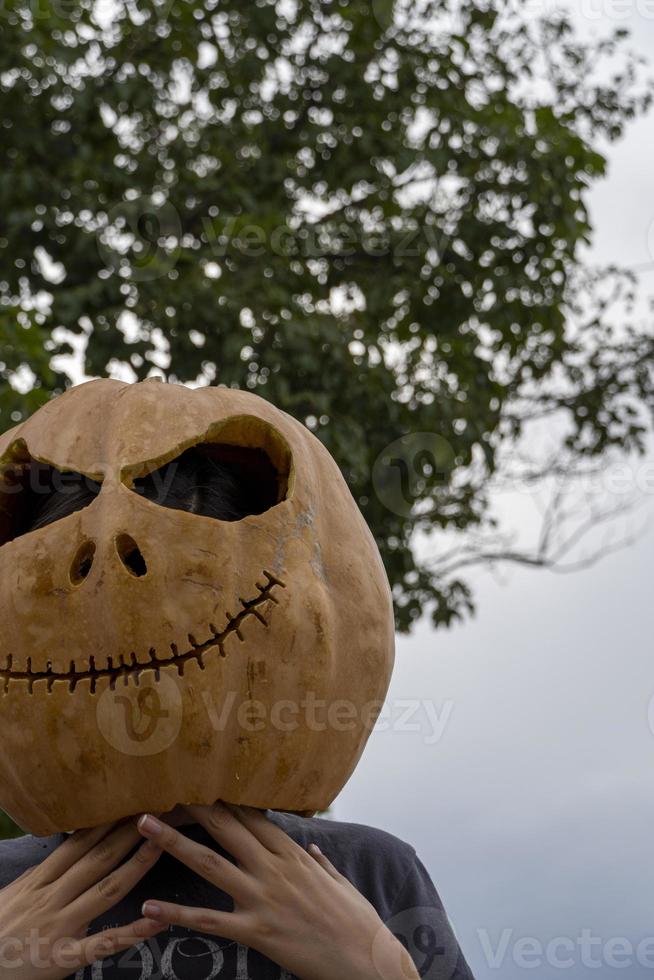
(384, 869)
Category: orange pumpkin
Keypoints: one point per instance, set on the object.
(150, 656)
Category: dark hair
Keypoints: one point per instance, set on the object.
(197, 481)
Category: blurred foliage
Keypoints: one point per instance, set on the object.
(371, 216)
(8, 828)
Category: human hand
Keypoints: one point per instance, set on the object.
(290, 904)
(45, 914)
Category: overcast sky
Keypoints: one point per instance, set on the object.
(533, 807)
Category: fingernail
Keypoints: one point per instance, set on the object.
(149, 825)
(315, 848)
(151, 910)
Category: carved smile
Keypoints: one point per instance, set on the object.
(131, 667)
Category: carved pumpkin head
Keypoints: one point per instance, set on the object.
(151, 656)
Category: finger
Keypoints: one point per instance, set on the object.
(230, 833)
(112, 941)
(98, 861)
(115, 886)
(324, 862)
(227, 925)
(203, 860)
(262, 827)
(27, 873)
(70, 851)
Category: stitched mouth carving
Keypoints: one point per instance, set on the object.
(132, 667)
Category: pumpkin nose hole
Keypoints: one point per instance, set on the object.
(130, 555)
(81, 564)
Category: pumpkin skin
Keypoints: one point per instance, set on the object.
(248, 663)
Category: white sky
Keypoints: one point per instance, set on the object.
(533, 810)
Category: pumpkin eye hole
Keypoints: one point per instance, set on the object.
(222, 481)
(34, 494)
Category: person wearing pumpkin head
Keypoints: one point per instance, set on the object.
(198, 636)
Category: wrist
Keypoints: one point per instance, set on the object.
(388, 959)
